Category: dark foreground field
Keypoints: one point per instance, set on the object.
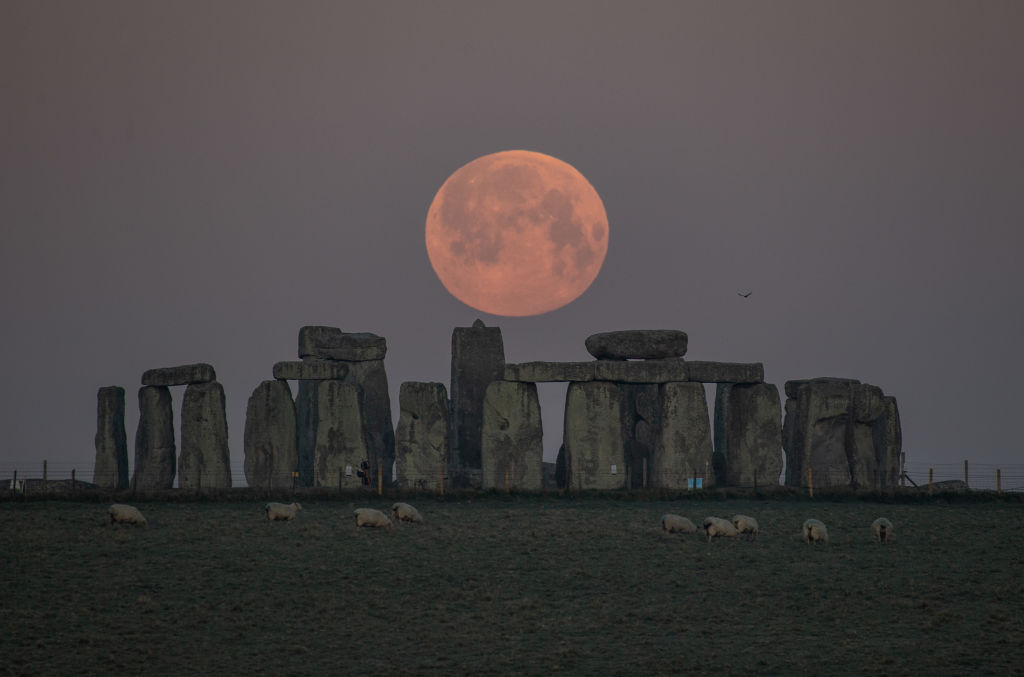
(494, 586)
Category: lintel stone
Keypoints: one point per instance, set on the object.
(183, 375)
(310, 370)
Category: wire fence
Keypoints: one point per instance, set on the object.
(998, 477)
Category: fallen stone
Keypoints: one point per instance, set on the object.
(684, 442)
(270, 442)
(179, 376)
(110, 470)
(205, 461)
(637, 344)
(594, 442)
(512, 447)
(748, 434)
(341, 459)
(154, 440)
(421, 436)
(311, 369)
(725, 372)
(478, 358)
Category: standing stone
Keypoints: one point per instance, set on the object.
(684, 443)
(640, 419)
(111, 468)
(748, 434)
(154, 440)
(371, 379)
(421, 437)
(478, 358)
(271, 443)
(815, 432)
(341, 456)
(594, 454)
(888, 439)
(205, 461)
(306, 421)
(512, 438)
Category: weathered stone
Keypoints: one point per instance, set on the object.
(313, 337)
(512, 438)
(154, 440)
(542, 372)
(111, 468)
(421, 436)
(205, 460)
(840, 430)
(355, 347)
(594, 453)
(305, 424)
(179, 376)
(372, 380)
(478, 358)
(271, 442)
(637, 344)
(748, 434)
(684, 441)
(792, 388)
(341, 459)
(311, 369)
(640, 421)
(643, 371)
(725, 372)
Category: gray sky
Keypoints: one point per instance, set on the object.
(193, 181)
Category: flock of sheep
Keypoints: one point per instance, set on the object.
(813, 531)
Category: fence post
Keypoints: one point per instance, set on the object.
(341, 474)
(810, 480)
(999, 482)
(965, 473)
(73, 487)
(44, 475)
(380, 478)
(903, 469)
(643, 480)
(507, 488)
(440, 478)
(929, 481)
(14, 482)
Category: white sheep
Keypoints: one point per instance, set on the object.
(746, 525)
(281, 511)
(368, 517)
(674, 524)
(815, 532)
(716, 526)
(403, 512)
(125, 514)
(882, 529)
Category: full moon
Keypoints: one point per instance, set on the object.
(516, 233)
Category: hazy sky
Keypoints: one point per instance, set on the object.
(193, 181)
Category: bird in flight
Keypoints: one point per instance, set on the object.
(744, 294)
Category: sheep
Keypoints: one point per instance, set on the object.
(125, 514)
(716, 526)
(746, 525)
(815, 532)
(882, 529)
(403, 512)
(281, 511)
(674, 524)
(368, 517)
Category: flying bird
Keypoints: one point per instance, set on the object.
(744, 294)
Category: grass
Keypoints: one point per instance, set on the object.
(496, 585)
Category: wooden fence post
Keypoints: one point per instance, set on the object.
(999, 482)
(440, 478)
(644, 478)
(44, 475)
(14, 482)
(965, 474)
(810, 480)
(380, 478)
(507, 488)
(341, 474)
(903, 469)
(929, 481)
(73, 486)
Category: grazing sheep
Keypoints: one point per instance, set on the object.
(746, 525)
(403, 512)
(815, 532)
(716, 526)
(125, 514)
(368, 517)
(882, 529)
(281, 511)
(674, 524)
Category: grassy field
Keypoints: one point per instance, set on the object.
(495, 585)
